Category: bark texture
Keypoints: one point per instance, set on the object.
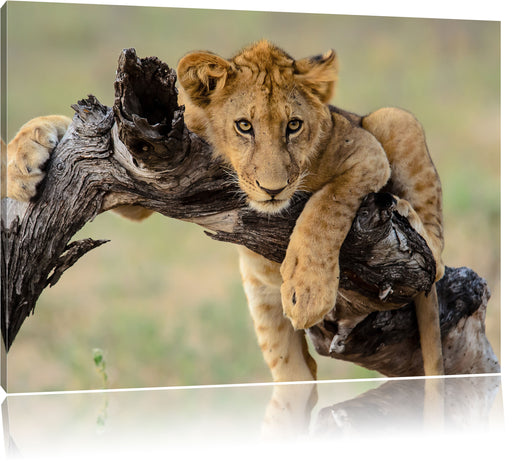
(141, 153)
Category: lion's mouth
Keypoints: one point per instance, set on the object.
(266, 201)
(270, 206)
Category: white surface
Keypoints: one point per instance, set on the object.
(371, 419)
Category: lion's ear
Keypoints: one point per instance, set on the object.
(319, 74)
(201, 74)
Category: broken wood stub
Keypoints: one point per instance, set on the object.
(152, 123)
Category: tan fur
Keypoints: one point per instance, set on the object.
(267, 116)
(28, 152)
(337, 156)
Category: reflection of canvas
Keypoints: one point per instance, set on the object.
(142, 306)
(230, 418)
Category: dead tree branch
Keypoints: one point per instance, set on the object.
(141, 153)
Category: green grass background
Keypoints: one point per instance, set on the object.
(164, 302)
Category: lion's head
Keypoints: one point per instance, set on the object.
(263, 112)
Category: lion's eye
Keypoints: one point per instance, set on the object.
(243, 126)
(293, 126)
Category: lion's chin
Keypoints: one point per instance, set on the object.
(270, 207)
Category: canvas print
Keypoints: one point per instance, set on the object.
(205, 197)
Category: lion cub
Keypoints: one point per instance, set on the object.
(267, 116)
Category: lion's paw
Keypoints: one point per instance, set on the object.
(308, 291)
(29, 151)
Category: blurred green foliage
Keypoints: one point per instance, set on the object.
(162, 301)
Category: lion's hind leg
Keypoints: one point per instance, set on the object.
(413, 175)
(27, 153)
(415, 181)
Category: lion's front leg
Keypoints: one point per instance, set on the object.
(310, 270)
(284, 349)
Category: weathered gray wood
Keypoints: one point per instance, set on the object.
(388, 341)
(35, 237)
(141, 153)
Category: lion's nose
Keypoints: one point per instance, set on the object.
(271, 192)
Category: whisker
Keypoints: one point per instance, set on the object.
(232, 177)
(301, 181)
